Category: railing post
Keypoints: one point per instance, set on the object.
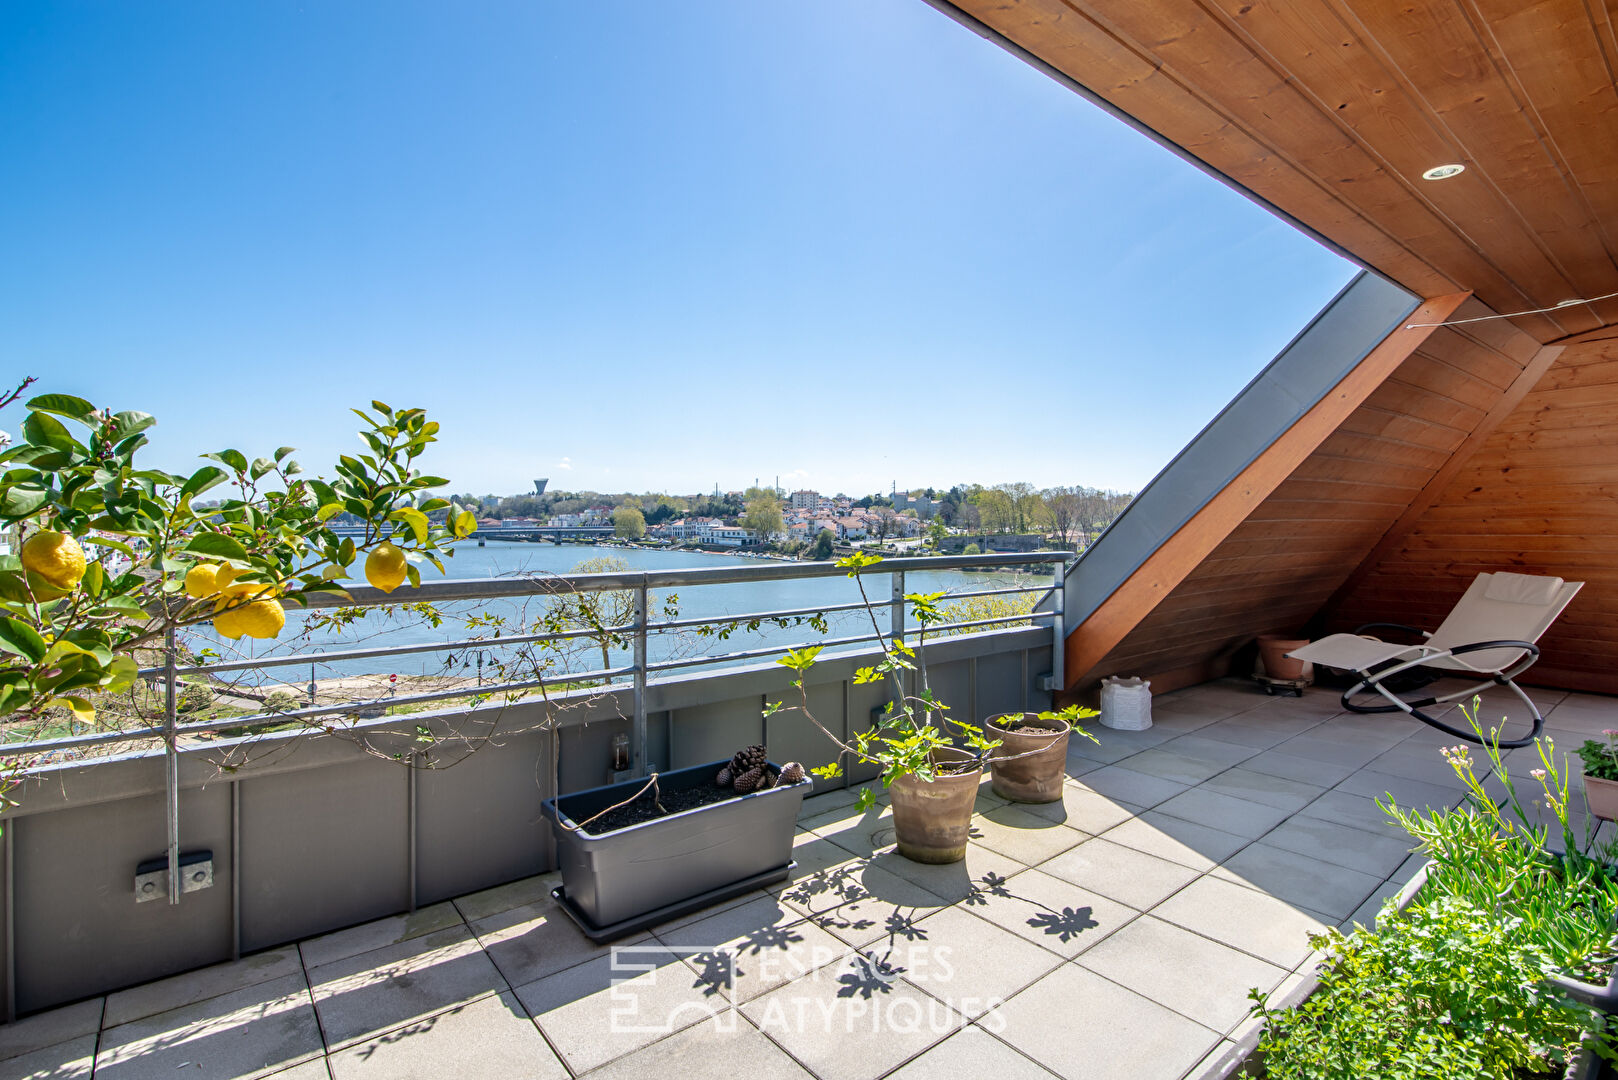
(171, 759)
(898, 606)
(637, 738)
(1059, 630)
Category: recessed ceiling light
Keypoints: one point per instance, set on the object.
(1443, 172)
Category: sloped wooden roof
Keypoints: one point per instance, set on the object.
(1488, 446)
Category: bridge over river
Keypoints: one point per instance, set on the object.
(532, 533)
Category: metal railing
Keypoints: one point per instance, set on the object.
(639, 671)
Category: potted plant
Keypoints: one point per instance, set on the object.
(1030, 764)
(931, 763)
(643, 851)
(1601, 775)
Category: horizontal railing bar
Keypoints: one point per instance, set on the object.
(823, 609)
(460, 645)
(828, 643)
(75, 741)
(550, 585)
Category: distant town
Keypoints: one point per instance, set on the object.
(966, 518)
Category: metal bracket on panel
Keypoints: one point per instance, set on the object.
(1050, 682)
(152, 876)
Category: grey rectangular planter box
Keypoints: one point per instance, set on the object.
(621, 881)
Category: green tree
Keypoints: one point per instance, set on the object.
(763, 515)
(628, 523)
(937, 532)
(825, 544)
(971, 549)
(606, 614)
(159, 560)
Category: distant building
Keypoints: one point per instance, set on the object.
(924, 507)
(539, 486)
(805, 500)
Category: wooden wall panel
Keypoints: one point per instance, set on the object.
(1540, 496)
(1295, 550)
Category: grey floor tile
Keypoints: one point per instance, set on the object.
(749, 950)
(1052, 913)
(528, 943)
(1131, 788)
(1298, 879)
(171, 993)
(967, 962)
(955, 881)
(1277, 791)
(1123, 874)
(1028, 838)
(1356, 811)
(1354, 848)
(379, 934)
(1166, 764)
(1195, 976)
(313, 1069)
(50, 1028)
(71, 1060)
(360, 996)
(491, 1036)
(515, 894)
(722, 1044)
(254, 1031)
(1412, 794)
(860, 834)
(1256, 735)
(1424, 764)
(1130, 1038)
(1214, 751)
(971, 1052)
(1224, 812)
(1244, 919)
(861, 903)
(850, 1022)
(813, 853)
(1313, 746)
(1177, 840)
(816, 805)
(1300, 769)
(614, 1005)
(1083, 809)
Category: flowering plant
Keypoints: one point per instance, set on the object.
(1601, 758)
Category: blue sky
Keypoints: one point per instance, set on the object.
(635, 246)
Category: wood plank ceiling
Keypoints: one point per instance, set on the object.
(1485, 449)
(1330, 110)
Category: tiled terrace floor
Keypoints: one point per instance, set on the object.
(1114, 934)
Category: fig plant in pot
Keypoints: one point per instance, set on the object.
(931, 763)
(1030, 764)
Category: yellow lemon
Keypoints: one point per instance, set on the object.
(259, 619)
(202, 580)
(385, 567)
(54, 561)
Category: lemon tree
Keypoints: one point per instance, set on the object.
(114, 554)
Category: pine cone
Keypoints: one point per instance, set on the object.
(791, 773)
(751, 780)
(750, 757)
(724, 777)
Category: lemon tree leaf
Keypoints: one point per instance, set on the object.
(20, 639)
(215, 544)
(62, 405)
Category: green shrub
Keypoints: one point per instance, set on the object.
(1442, 990)
(193, 697)
(971, 549)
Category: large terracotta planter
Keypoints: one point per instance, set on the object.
(1602, 797)
(1028, 767)
(933, 818)
(1277, 664)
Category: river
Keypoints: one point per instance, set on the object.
(516, 558)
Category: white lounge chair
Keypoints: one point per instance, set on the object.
(1490, 633)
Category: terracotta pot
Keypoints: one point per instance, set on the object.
(932, 819)
(1273, 650)
(1028, 767)
(1602, 797)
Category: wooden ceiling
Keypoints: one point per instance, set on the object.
(1330, 110)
